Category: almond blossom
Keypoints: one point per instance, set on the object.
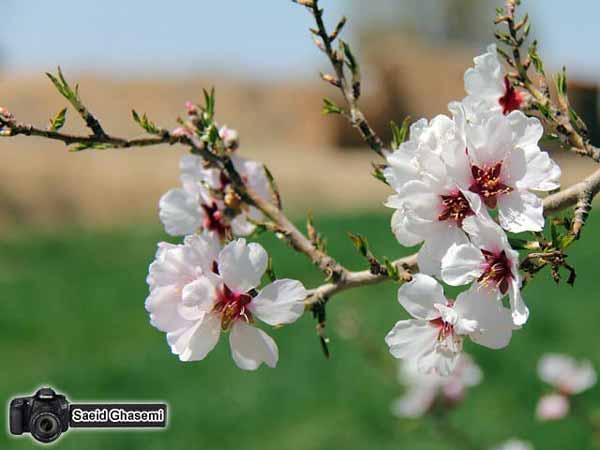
(434, 337)
(502, 163)
(488, 86)
(568, 377)
(490, 262)
(198, 290)
(430, 206)
(201, 203)
(423, 390)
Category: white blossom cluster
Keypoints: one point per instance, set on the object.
(205, 285)
(461, 183)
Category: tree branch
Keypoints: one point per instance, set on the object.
(553, 204)
(349, 87)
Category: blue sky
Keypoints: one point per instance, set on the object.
(261, 38)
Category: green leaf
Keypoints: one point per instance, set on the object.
(145, 123)
(561, 82)
(378, 172)
(91, 145)
(350, 59)
(535, 58)
(399, 134)
(329, 107)
(209, 102)
(391, 269)
(566, 241)
(58, 121)
(360, 243)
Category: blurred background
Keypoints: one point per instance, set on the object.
(80, 229)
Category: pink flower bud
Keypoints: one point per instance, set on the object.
(192, 109)
(6, 115)
(552, 407)
(229, 137)
(182, 131)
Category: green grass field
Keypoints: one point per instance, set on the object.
(72, 315)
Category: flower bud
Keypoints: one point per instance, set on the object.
(6, 115)
(229, 137)
(192, 109)
(182, 131)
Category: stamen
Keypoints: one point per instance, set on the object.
(487, 184)
(455, 207)
(232, 306)
(498, 270)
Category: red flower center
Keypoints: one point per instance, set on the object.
(512, 99)
(232, 306)
(445, 329)
(455, 207)
(214, 220)
(487, 183)
(497, 270)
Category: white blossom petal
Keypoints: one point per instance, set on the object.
(241, 226)
(197, 341)
(436, 246)
(242, 265)
(180, 212)
(520, 211)
(280, 302)
(202, 250)
(250, 347)
(520, 312)
(420, 296)
(200, 293)
(462, 264)
(411, 338)
(494, 321)
(162, 304)
(543, 174)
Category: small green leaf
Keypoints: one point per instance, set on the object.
(399, 134)
(391, 269)
(566, 241)
(360, 243)
(378, 172)
(329, 107)
(561, 82)
(58, 121)
(535, 58)
(350, 59)
(209, 102)
(145, 123)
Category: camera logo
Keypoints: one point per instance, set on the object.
(46, 415)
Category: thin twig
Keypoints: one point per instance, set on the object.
(349, 87)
